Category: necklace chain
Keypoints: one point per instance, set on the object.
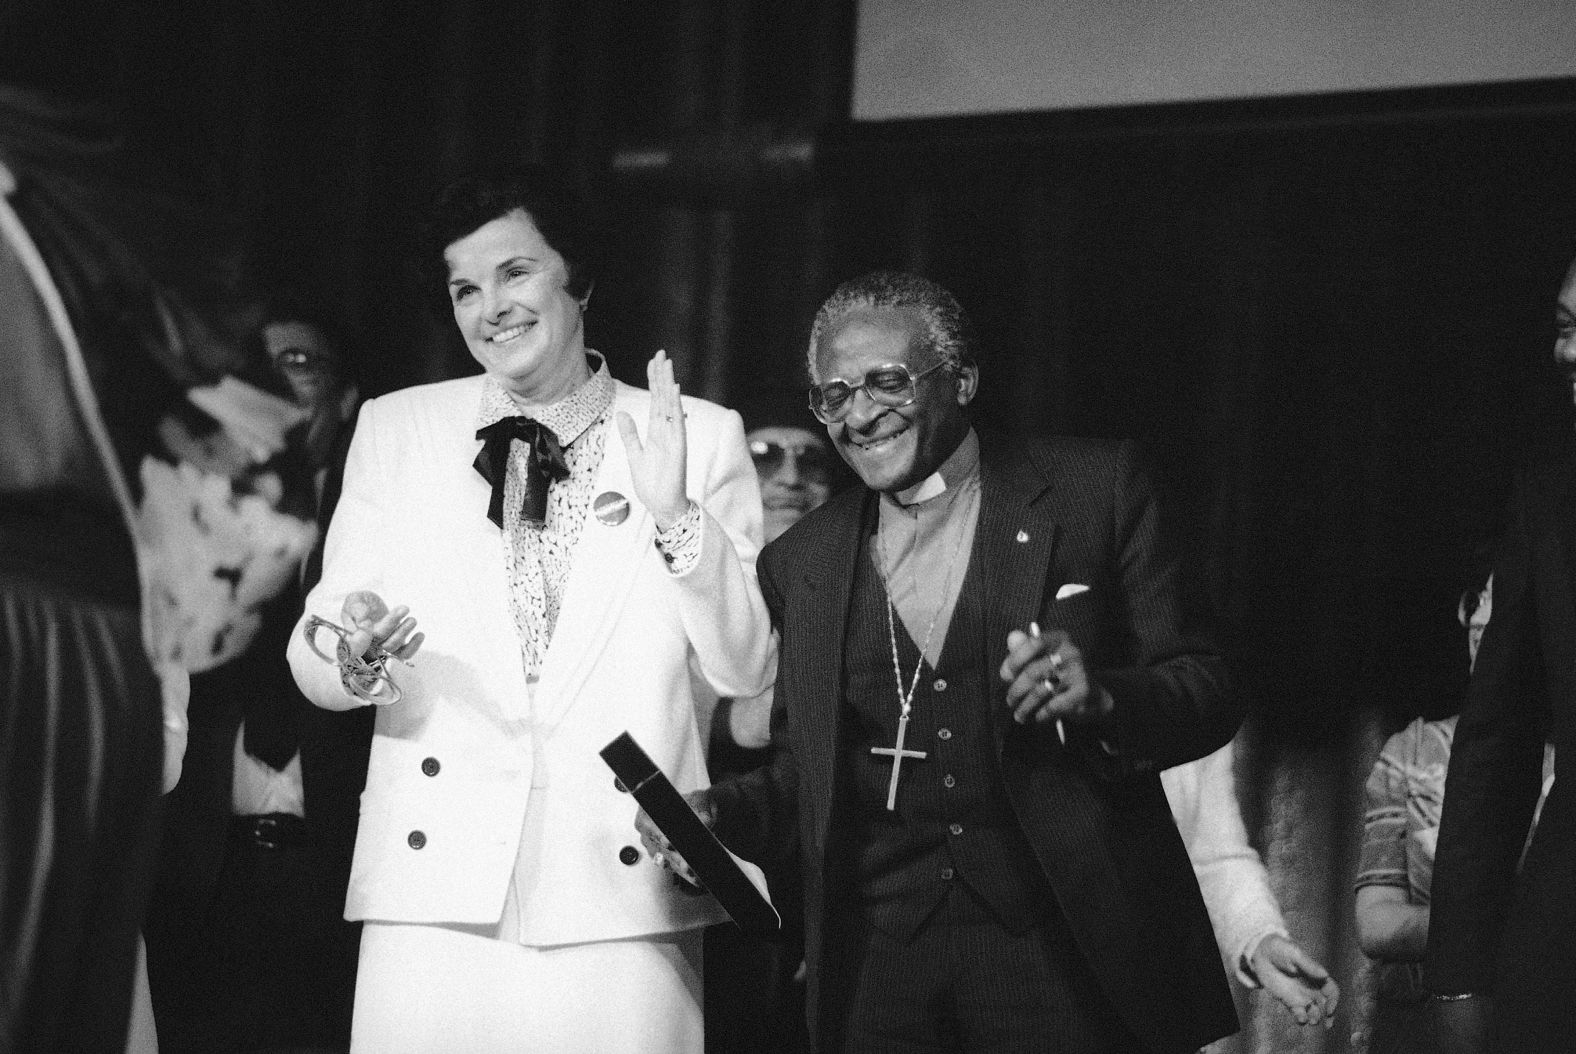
(906, 699)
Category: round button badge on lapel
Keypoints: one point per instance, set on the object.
(416, 839)
(629, 856)
(611, 508)
(430, 766)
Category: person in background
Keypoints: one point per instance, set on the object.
(754, 990)
(568, 577)
(1405, 796)
(986, 661)
(797, 472)
(247, 945)
(1249, 929)
(1501, 960)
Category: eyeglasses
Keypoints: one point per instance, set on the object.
(891, 385)
(296, 360)
(769, 456)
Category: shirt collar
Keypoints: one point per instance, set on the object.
(569, 417)
(961, 464)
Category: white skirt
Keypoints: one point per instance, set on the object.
(433, 989)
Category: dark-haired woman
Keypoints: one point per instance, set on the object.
(569, 582)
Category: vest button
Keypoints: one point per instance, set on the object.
(955, 828)
(430, 766)
(947, 873)
(416, 839)
(943, 733)
(629, 856)
(940, 685)
(948, 781)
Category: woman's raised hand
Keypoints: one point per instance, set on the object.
(656, 465)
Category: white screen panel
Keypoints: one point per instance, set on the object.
(940, 58)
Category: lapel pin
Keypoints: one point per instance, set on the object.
(611, 507)
(1023, 536)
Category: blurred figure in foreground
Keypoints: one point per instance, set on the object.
(1501, 962)
(123, 317)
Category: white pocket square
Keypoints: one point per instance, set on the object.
(1071, 589)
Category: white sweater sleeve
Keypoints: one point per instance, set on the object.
(1232, 878)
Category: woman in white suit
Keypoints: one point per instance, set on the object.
(569, 583)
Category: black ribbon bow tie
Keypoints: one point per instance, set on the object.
(545, 465)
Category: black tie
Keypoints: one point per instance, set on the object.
(544, 466)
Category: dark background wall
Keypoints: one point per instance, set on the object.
(1326, 319)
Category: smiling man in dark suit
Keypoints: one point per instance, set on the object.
(986, 661)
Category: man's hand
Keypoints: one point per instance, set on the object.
(1462, 1026)
(661, 850)
(656, 467)
(1298, 980)
(1046, 680)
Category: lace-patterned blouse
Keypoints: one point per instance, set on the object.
(537, 558)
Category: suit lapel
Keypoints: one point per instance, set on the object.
(824, 587)
(478, 549)
(602, 573)
(1012, 554)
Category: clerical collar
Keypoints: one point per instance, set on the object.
(569, 417)
(959, 466)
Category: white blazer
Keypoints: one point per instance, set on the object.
(454, 762)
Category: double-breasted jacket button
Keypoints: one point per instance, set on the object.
(940, 685)
(416, 839)
(430, 766)
(947, 873)
(629, 856)
(956, 828)
(949, 781)
(943, 733)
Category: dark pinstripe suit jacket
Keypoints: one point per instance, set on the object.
(1053, 512)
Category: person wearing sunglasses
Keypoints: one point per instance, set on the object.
(796, 469)
(985, 662)
(754, 991)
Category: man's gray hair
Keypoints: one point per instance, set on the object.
(948, 331)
